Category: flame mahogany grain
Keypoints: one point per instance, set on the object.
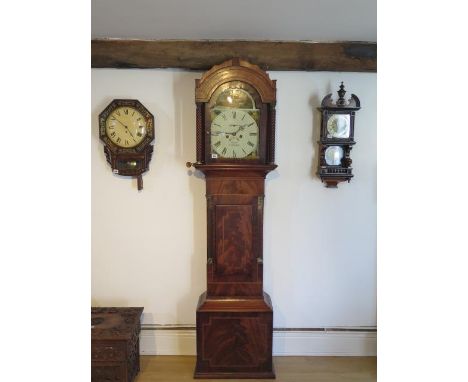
(234, 315)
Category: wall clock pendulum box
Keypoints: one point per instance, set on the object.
(235, 147)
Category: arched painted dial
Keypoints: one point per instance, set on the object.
(126, 127)
(234, 134)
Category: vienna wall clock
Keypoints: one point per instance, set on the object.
(337, 138)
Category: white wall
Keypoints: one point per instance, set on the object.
(149, 247)
(249, 20)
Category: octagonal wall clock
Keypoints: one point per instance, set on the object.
(126, 128)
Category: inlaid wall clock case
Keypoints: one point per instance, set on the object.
(126, 128)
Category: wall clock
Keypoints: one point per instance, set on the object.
(337, 138)
(235, 150)
(126, 128)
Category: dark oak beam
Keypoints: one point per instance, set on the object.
(203, 54)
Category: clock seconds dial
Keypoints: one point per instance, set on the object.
(126, 127)
(234, 134)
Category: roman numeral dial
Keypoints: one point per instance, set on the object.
(234, 134)
(126, 127)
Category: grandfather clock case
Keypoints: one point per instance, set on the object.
(235, 315)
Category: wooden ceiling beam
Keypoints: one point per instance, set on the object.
(203, 54)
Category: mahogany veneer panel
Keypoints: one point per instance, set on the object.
(235, 338)
(235, 229)
(235, 260)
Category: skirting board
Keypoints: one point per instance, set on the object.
(285, 343)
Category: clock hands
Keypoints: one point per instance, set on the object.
(224, 133)
(241, 127)
(119, 121)
(128, 131)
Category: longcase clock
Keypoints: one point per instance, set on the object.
(235, 150)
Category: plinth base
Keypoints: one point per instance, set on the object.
(234, 338)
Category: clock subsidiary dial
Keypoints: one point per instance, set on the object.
(234, 134)
(334, 155)
(338, 126)
(126, 127)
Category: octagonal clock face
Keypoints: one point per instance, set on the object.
(338, 126)
(333, 155)
(126, 127)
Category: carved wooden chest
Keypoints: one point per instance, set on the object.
(115, 344)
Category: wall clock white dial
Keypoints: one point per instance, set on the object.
(338, 126)
(126, 127)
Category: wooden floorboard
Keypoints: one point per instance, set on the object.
(288, 369)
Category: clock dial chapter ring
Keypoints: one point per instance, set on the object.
(338, 125)
(234, 134)
(126, 127)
